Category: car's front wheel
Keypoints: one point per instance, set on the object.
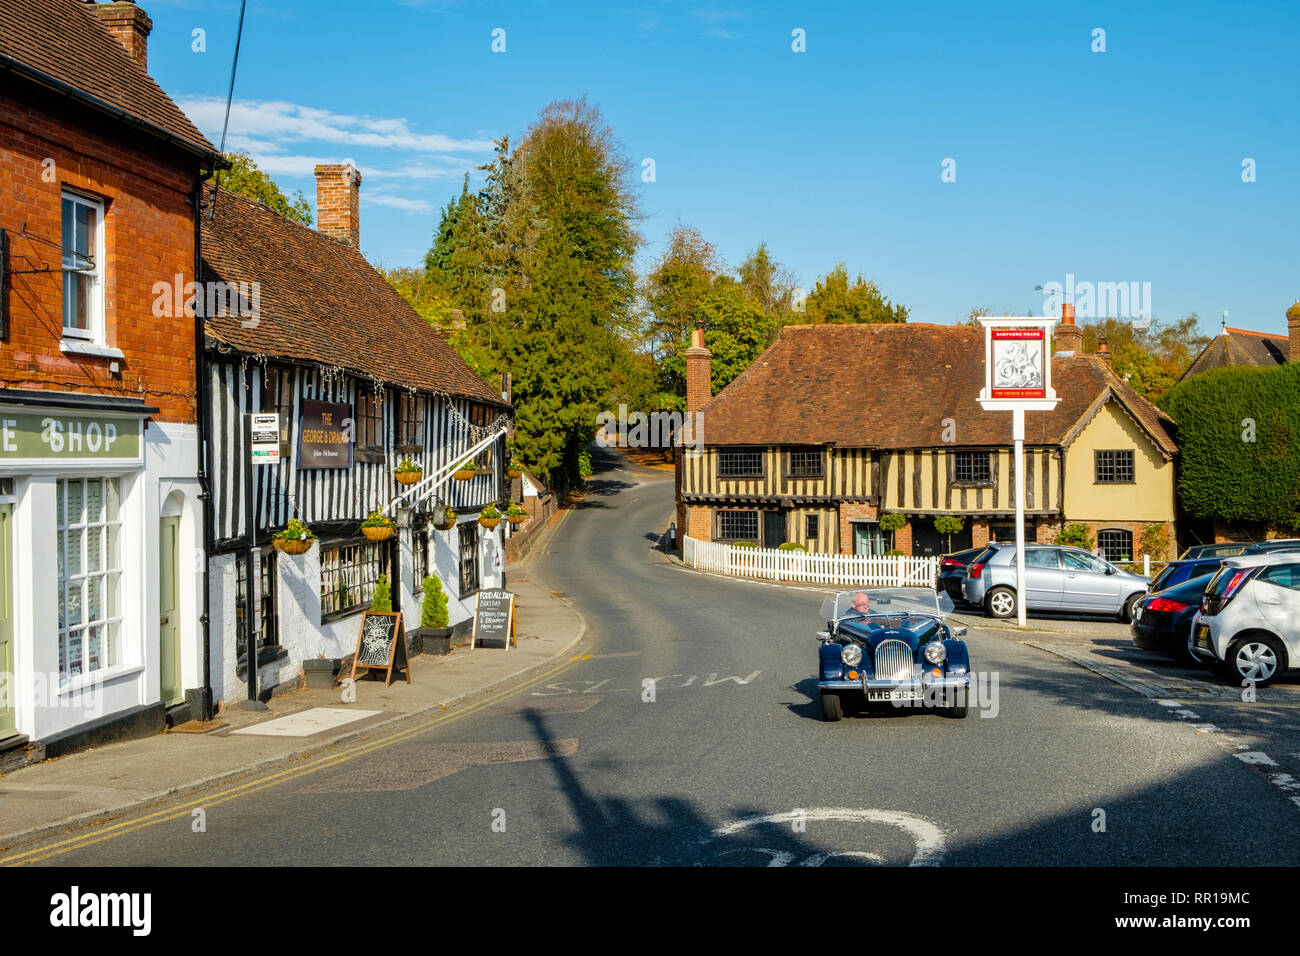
(1000, 603)
(1126, 612)
(832, 707)
(1255, 657)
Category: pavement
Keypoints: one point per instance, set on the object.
(109, 781)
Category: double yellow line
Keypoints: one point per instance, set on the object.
(100, 835)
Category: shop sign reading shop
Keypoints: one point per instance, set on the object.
(325, 435)
(41, 437)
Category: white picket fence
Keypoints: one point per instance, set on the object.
(854, 570)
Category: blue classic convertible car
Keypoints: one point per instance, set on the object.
(891, 645)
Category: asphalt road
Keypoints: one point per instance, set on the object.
(728, 761)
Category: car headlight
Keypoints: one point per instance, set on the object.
(936, 653)
(851, 654)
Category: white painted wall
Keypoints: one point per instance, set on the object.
(167, 482)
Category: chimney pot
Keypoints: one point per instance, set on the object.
(128, 24)
(338, 203)
(1069, 337)
(699, 376)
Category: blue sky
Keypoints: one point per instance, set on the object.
(1115, 166)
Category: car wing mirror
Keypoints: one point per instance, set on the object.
(958, 630)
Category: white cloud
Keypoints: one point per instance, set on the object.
(276, 121)
(397, 202)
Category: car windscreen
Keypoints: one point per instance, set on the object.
(887, 602)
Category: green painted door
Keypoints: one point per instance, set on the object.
(169, 630)
(7, 726)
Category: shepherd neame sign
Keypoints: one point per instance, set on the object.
(62, 437)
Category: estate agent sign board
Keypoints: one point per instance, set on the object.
(494, 619)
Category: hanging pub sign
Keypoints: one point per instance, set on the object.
(325, 435)
(381, 645)
(1017, 364)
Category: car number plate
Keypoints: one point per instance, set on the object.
(899, 694)
(1203, 636)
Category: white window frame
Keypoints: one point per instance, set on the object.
(111, 570)
(94, 334)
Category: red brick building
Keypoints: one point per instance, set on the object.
(100, 488)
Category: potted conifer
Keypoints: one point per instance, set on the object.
(434, 634)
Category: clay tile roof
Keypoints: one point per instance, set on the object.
(321, 301)
(61, 40)
(895, 386)
(1234, 347)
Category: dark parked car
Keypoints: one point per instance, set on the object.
(1180, 572)
(1276, 545)
(952, 569)
(1214, 550)
(1162, 621)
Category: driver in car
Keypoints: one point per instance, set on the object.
(861, 603)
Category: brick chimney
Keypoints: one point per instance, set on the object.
(129, 25)
(338, 192)
(699, 376)
(1293, 329)
(1069, 337)
(1103, 351)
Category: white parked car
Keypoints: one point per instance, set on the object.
(1249, 622)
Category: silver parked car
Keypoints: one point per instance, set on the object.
(1056, 579)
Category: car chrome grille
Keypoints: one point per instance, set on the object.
(894, 660)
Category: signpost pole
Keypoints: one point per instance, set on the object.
(1018, 435)
(252, 573)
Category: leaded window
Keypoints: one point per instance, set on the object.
(971, 467)
(738, 525)
(1115, 544)
(264, 623)
(348, 575)
(467, 532)
(1115, 467)
(369, 419)
(740, 463)
(806, 462)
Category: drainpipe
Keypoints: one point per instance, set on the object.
(205, 491)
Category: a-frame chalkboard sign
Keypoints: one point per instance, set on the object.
(382, 645)
(494, 619)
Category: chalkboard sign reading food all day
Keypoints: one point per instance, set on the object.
(494, 619)
(382, 645)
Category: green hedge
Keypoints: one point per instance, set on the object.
(791, 546)
(1223, 473)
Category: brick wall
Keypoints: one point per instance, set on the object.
(979, 532)
(850, 512)
(699, 522)
(338, 203)
(149, 238)
(903, 539)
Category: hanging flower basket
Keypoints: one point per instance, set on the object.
(378, 528)
(516, 514)
(407, 472)
(292, 547)
(465, 474)
(513, 470)
(489, 517)
(294, 538)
